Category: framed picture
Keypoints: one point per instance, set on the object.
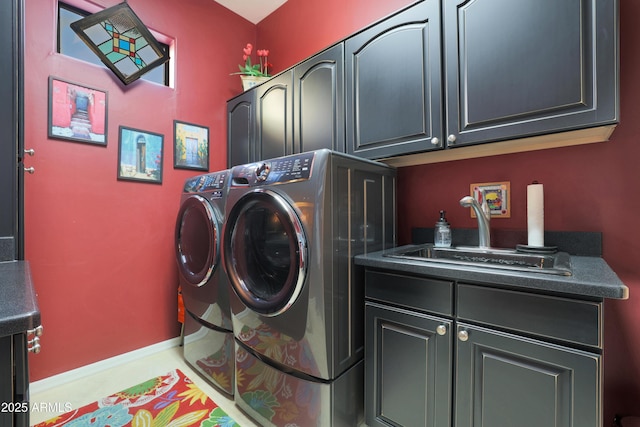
(140, 155)
(190, 146)
(77, 112)
(498, 196)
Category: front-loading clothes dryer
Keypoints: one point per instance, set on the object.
(207, 333)
(293, 225)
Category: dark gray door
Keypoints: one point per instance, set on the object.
(393, 84)
(274, 113)
(11, 148)
(319, 102)
(408, 360)
(240, 129)
(521, 68)
(505, 381)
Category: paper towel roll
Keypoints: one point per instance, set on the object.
(535, 214)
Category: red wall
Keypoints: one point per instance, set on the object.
(101, 250)
(301, 28)
(587, 188)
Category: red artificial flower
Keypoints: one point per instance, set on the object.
(261, 69)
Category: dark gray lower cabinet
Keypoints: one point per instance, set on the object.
(503, 380)
(14, 381)
(407, 367)
(441, 353)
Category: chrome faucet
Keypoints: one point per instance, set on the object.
(484, 216)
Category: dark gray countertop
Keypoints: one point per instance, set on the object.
(19, 309)
(592, 276)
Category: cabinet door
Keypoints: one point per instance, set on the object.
(503, 380)
(407, 368)
(274, 115)
(6, 378)
(14, 380)
(528, 67)
(319, 102)
(241, 129)
(393, 84)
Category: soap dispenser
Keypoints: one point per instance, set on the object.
(442, 234)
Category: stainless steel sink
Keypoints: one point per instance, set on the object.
(506, 259)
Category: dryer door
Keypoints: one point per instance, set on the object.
(265, 252)
(197, 240)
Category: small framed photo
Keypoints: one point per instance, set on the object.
(140, 155)
(497, 195)
(77, 112)
(190, 146)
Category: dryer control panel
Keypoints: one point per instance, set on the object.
(283, 169)
(204, 183)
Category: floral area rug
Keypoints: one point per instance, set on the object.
(171, 400)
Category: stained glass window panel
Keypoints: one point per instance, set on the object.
(116, 36)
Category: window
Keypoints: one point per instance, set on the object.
(70, 44)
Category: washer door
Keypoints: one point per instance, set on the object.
(265, 252)
(197, 240)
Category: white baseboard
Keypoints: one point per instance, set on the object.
(83, 371)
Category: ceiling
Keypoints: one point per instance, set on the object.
(252, 10)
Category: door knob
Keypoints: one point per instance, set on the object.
(30, 169)
(441, 329)
(30, 151)
(463, 335)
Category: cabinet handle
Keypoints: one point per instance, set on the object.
(463, 335)
(34, 345)
(36, 331)
(435, 141)
(30, 151)
(451, 138)
(441, 329)
(30, 169)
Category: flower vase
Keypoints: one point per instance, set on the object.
(250, 81)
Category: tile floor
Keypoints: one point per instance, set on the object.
(90, 388)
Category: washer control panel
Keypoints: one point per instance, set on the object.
(283, 169)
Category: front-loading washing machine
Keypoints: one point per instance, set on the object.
(293, 226)
(207, 332)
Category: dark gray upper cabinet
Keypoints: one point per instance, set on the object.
(445, 74)
(490, 70)
(393, 84)
(319, 102)
(516, 69)
(298, 110)
(241, 129)
(274, 137)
